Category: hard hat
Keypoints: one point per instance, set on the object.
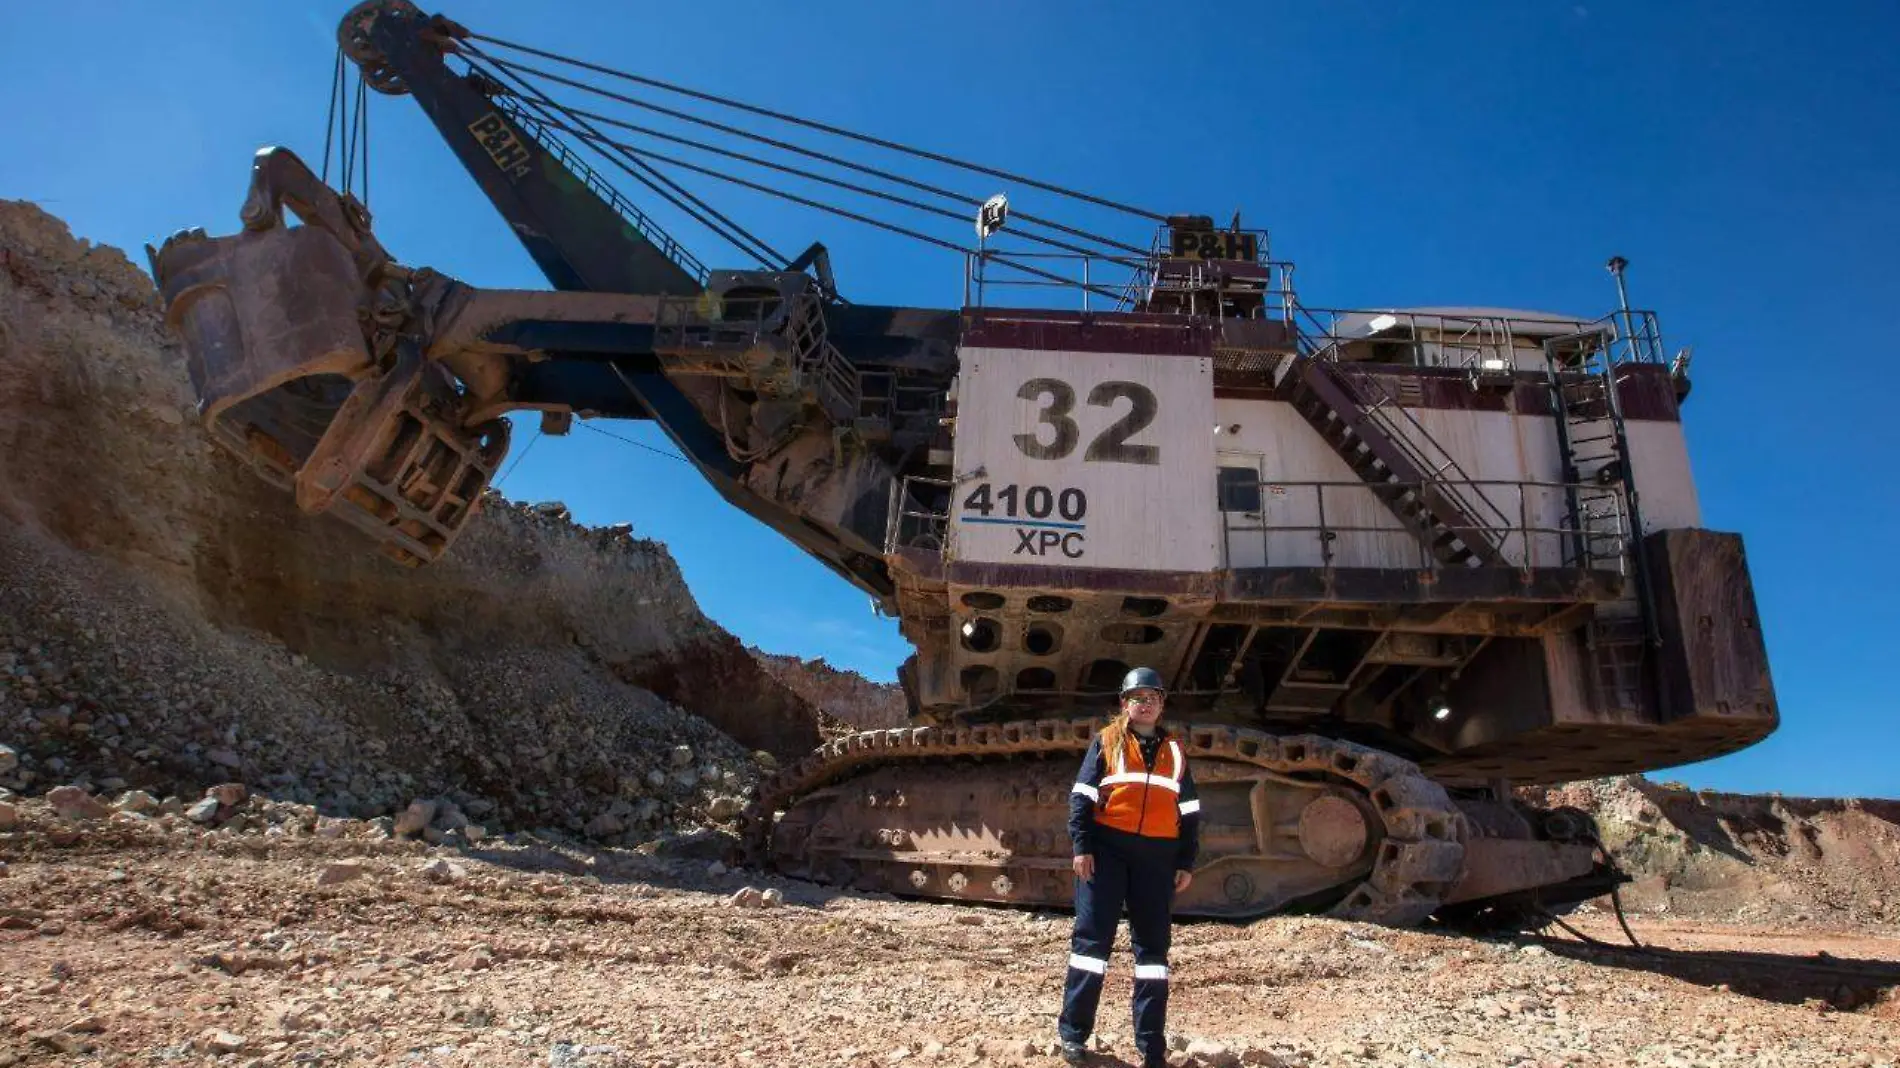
(1142, 679)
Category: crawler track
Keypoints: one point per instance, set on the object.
(1411, 855)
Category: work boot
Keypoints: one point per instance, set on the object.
(1074, 1052)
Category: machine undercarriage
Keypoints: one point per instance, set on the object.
(1359, 682)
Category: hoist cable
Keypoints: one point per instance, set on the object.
(329, 119)
(349, 141)
(362, 120)
(825, 179)
(685, 116)
(835, 210)
(824, 128)
(768, 256)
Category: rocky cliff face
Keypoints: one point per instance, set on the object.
(1749, 857)
(169, 621)
(846, 695)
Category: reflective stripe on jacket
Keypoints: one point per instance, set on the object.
(1118, 791)
(1143, 800)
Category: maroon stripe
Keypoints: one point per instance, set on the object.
(1139, 335)
(1647, 392)
(1200, 585)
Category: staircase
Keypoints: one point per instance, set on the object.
(779, 353)
(1590, 439)
(1416, 478)
(823, 373)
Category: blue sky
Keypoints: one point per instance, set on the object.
(1742, 155)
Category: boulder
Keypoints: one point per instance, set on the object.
(73, 803)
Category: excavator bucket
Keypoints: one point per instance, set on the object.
(298, 348)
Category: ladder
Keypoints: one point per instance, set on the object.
(1593, 445)
(1616, 652)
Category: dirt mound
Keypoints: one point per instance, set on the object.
(845, 695)
(1747, 856)
(167, 621)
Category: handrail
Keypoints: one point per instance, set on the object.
(1125, 279)
(1605, 539)
(1606, 546)
(935, 524)
(1636, 333)
(572, 160)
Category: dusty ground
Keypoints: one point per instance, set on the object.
(127, 943)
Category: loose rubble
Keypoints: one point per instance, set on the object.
(266, 942)
(169, 623)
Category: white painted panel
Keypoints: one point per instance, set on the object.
(1030, 420)
(1547, 507)
(1659, 464)
(1367, 534)
(1490, 447)
(1489, 468)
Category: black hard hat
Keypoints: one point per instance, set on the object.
(1142, 679)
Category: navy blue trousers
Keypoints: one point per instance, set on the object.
(1138, 873)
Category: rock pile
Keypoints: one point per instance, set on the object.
(1748, 857)
(169, 623)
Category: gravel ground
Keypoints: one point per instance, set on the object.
(132, 940)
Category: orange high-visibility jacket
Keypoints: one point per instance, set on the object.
(1119, 791)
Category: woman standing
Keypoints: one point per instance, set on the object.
(1134, 821)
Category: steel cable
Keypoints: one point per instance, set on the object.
(846, 213)
(814, 176)
(823, 127)
(635, 444)
(329, 120)
(685, 116)
(543, 105)
(362, 119)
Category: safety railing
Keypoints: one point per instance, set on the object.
(1003, 278)
(1192, 282)
(819, 364)
(919, 514)
(1349, 524)
(1471, 343)
(891, 400)
(600, 187)
(723, 331)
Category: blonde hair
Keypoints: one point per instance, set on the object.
(1115, 735)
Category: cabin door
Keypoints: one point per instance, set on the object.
(1238, 496)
